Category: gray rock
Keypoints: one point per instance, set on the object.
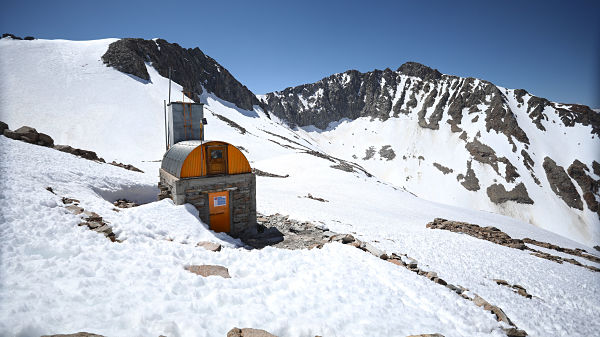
(561, 184)
(444, 169)
(590, 187)
(211, 246)
(11, 134)
(3, 126)
(248, 332)
(498, 194)
(469, 181)
(208, 270)
(28, 134)
(387, 152)
(45, 140)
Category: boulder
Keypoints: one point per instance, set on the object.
(3, 126)
(45, 140)
(213, 247)
(11, 134)
(208, 270)
(28, 134)
(248, 332)
(367, 247)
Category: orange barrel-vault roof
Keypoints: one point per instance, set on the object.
(188, 159)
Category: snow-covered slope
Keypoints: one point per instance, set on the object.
(57, 277)
(459, 141)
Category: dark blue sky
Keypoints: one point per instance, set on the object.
(550, 48)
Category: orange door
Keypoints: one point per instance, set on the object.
(216, 160)
(219, 211)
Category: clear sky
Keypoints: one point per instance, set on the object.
(550, 48)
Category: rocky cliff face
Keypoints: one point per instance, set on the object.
(191, 68)
(507, 138)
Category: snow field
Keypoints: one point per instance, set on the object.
(58, 277)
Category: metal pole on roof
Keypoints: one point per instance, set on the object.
(169, 84)
(166, 132)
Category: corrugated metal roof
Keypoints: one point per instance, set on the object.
(174, 157)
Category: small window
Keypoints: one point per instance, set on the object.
(216, 154)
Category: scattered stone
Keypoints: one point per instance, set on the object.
(126, 166)
(309, 196)
(124, 203)
(74, 209)
(501, 282)
(248, 332)
(212, 246)
(576, 252)
(208, 270)
(343, 238)
(500, 315)
(428, 335)
(597, 248)
(514, 332)
(49, 189)
(267, 174)
(367, 247)
(67, 201)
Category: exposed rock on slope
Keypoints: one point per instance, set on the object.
(561, 184)
(418, 111)
(191, 68)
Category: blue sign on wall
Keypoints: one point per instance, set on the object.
(220, 201)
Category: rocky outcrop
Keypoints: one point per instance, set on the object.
(191, 68)
(30, 135)
(444, 169)
(497, 236)
(387, 152)
(469, 181)
(561, 184)
(384, 93)
(498, 194)
(590, 187)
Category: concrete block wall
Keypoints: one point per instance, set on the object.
(242, 196)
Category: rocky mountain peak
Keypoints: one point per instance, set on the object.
(419, 70)
(191, 68)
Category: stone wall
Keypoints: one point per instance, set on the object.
(242, 196)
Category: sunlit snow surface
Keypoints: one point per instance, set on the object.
(56, 277)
